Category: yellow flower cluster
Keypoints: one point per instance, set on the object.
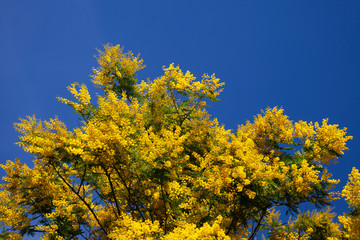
(305, 177)
(128, 228)
(176, 79)
(191, 232)
(351, 226)
(114, 63)
(41, 137)
(351, 193)
(50, 231)
(82, 95)
(330, 142)
(308, 225)
(273, 126)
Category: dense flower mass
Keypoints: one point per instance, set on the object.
(149, 162)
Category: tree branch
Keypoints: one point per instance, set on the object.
(254, 232)
(130, 197)
(113, 191)
(81, 198)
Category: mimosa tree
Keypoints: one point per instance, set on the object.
(149, 162)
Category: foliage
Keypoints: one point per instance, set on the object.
(351, 192)
(314, 225)
(149, 162)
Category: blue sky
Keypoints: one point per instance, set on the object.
(303, 56)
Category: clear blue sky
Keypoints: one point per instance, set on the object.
(303, 56)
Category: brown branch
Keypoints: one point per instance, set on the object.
(254, 232)
(233, 221)
(99, 196)
(173, 100)
(82, 181)
(112, 190)
(164, 202)
(190, 111)
(81, 198)
(130, 197)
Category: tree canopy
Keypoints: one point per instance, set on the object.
(149, 162)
